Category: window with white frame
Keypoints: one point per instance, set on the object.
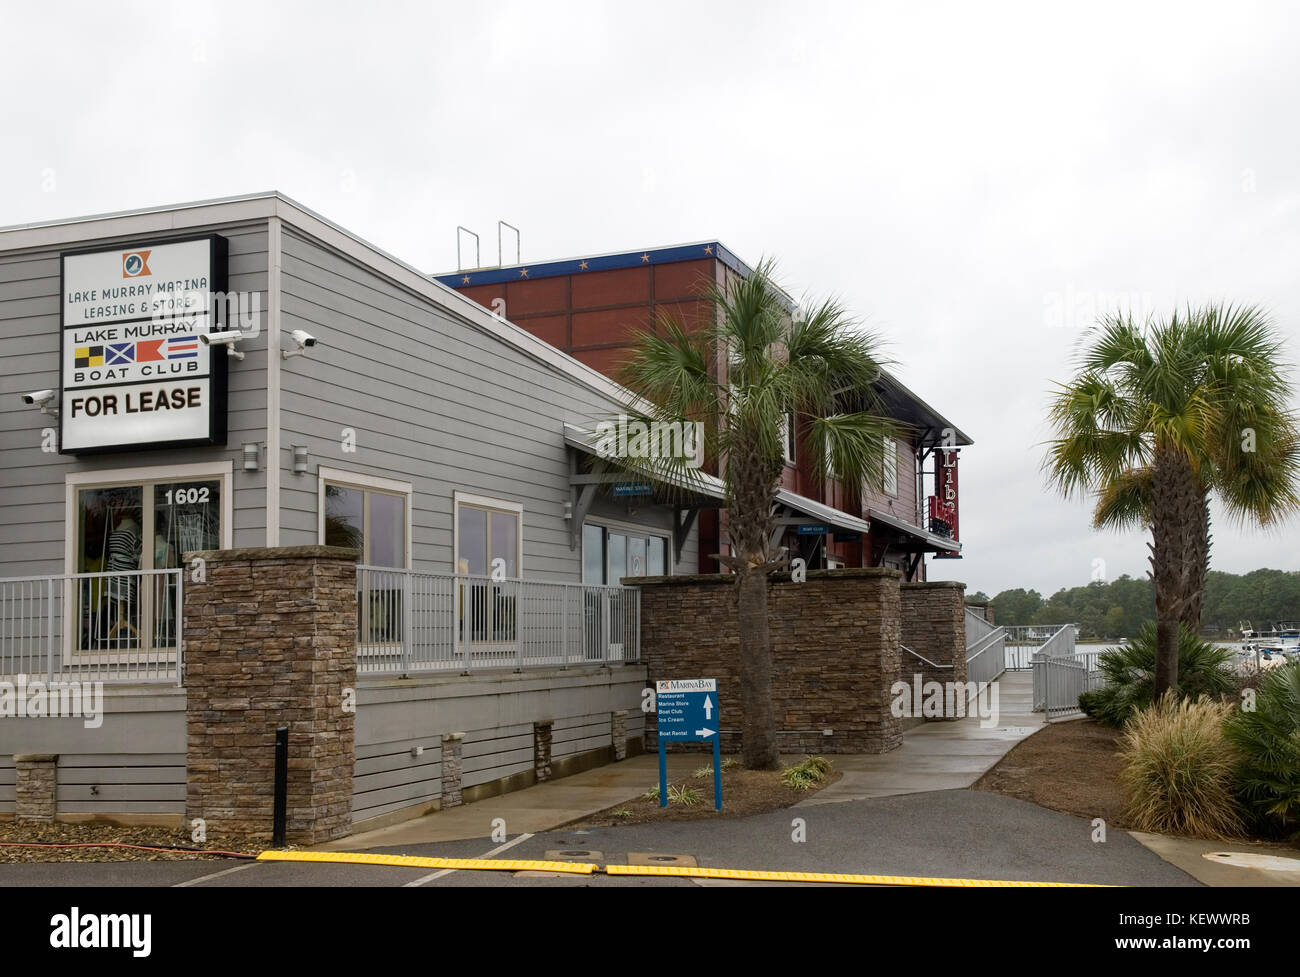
(889, 481)
(367, 514)
(489, 544)
(372, 516)
(123, 527)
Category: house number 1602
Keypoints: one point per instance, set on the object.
(186, 496)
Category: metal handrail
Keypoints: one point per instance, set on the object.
(987, 641)
(922, 657)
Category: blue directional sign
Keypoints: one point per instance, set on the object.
(818, 530)
(633, 488)
(687, 711)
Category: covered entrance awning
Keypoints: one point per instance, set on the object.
(910, 538)
(685, 494)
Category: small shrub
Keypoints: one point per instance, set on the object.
(1130, 673)
(729, 763)
(1267, 740)
(684, 795)
(807, 774)
(1178, 766)
(703, 772)
(652, 794)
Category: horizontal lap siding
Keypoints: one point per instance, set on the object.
(31, 481)
(494, 754)
(388, 777)
(149, 783)
(580, 734)
(433, 400)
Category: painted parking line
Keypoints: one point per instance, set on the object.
(214, 875)
(447, 871)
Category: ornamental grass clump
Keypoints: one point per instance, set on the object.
(1178, 769)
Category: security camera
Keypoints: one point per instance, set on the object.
(42, 399)
(305, 341)
(226, 338)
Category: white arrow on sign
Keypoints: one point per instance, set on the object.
(705, 733)
(708, 708)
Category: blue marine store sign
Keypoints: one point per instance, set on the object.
(135, 374)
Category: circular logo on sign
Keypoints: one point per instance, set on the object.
(132, 265)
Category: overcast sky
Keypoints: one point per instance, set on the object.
(974, 180)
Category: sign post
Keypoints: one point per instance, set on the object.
(687, 711)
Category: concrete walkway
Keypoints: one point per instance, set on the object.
(939, 755)
(533, 809)
(936, 756)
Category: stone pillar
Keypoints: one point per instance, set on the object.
(834, 653)
(452, 752)
(934, 626)
(618, 732)
(270, 640)
(542, 733)
(35, 786)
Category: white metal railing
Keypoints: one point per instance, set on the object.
(920, 657)
(1062, 679)
(409, 621)
(1052, 684)
(977, 628)
(986, 658)
(113, 627)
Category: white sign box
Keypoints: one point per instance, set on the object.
(134, 373)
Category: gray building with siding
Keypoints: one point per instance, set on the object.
(412, 391)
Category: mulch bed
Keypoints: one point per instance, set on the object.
(24, 833)
(744, 792)
(1072, 767)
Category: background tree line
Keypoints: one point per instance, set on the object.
(1117, 609)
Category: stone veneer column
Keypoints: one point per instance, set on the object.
(453, 745)
(542, 737)
(618, 732)
(934, 625)
(834, 653)
(35, 786)
(269, 641)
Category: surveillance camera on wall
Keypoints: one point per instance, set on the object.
(226, 338)
(42, 399)
(305, 341)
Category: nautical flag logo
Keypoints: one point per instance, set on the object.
(148, 351)
(182, 347)
(88, 356)
(135, 264)
(120, 353)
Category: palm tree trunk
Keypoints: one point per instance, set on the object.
(1199, 543)
(1177, 506)
(758, 730)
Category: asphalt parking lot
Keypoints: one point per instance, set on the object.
(948, 834)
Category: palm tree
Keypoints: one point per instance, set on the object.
(1158, 418)
(813, 369)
